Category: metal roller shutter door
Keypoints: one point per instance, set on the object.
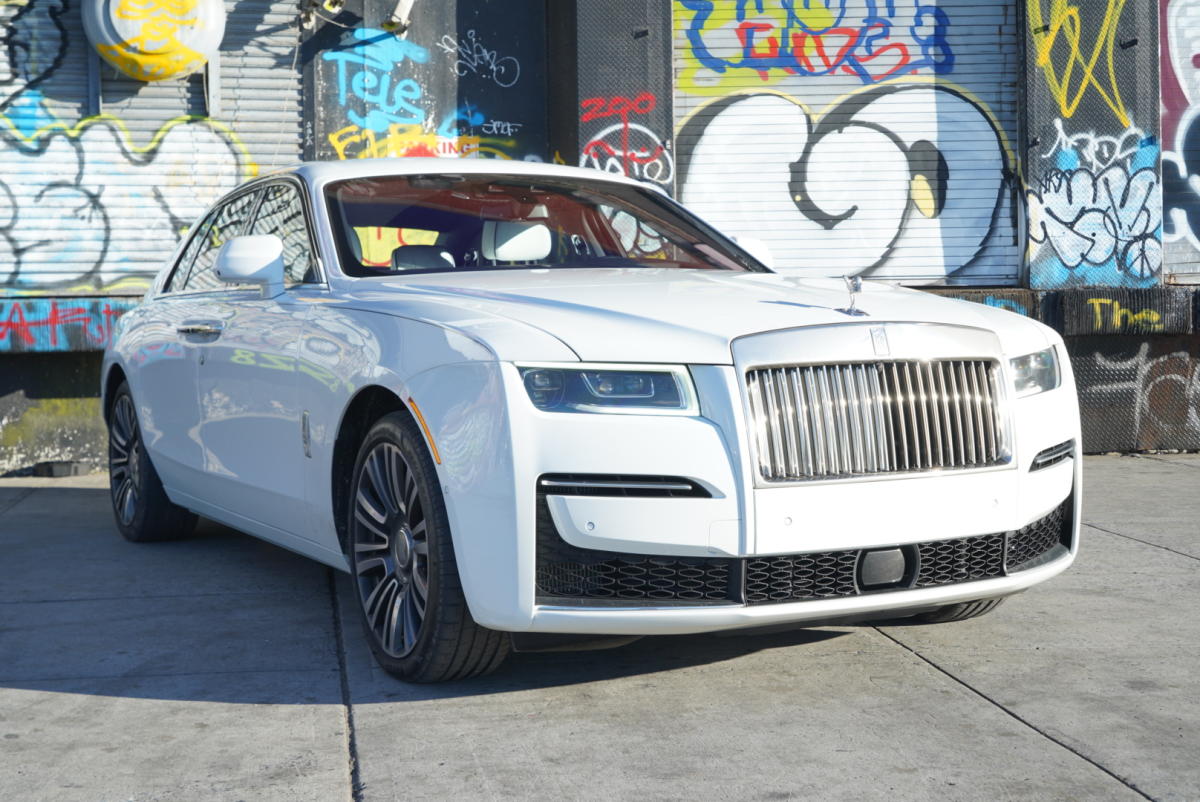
(862, 137)
(256, 129)
(102, 200)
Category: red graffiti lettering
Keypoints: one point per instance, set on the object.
(747, 33)
(38, 325)
(625, 156)
(834, 50)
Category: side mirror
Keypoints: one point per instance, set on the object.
(256, 259)
(756, 248)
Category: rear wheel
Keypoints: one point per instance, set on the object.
(414, 613)
(141, 508)
(958, 612)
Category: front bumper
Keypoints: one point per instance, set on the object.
(630, 590)
(634, 620)
(497, 533)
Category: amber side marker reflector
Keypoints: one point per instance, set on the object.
(425, 428)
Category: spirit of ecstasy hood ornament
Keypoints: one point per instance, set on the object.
(854, 287)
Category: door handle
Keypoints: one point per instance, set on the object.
(209, 328)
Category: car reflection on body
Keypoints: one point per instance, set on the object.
(547, 406)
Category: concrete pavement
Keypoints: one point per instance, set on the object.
(223, 668)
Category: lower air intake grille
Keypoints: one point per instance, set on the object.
(945, 562)
(1033, 542)
(822, 575)
(567, 573)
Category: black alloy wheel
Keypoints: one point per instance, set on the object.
(141, 508)
(400, 552)
(391, 550)
(124, 440)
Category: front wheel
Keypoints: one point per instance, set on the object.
(141, 508)
(414, 613)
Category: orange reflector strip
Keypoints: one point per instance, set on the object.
(425, 427)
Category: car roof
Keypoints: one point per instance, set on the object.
(319, 173)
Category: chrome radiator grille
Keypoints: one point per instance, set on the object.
(827, 421)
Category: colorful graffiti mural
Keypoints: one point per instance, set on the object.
(870, 40)
(38, 325)
(83, 206)
(927, 179)
(155, 40)
(1097, 209)
(624, 147)
(1076, 64)
(1179, 23)
(1093, 192)
(389, 114)
(452, 138)
(853, 136)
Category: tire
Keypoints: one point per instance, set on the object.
(412, 607)
(958, 612)
(142, 511)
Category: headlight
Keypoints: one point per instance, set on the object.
(1035, 373)
(663, 390)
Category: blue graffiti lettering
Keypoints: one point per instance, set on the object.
(365, 71)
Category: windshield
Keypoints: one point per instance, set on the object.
(435, 223)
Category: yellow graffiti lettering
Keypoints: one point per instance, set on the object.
(1069, 72)
(156, 52)
(1121, 318)
(355, 142)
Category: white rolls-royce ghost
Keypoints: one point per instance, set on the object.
(527, 405)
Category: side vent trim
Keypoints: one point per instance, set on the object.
(1053, 456)
(619, 485)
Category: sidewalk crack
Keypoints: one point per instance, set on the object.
(1127, 783)
(356, 786)
(1139, 540)
(20, 497)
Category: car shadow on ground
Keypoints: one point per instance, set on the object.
(642, 659)
(222, 616)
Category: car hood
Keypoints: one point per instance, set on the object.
(666, 315)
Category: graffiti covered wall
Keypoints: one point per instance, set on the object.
(53, 324)
(1138, 393)
(622, 103)
(1093, 193)
(867, 137)
(100, 173)
(466, 80)
(1179, 29)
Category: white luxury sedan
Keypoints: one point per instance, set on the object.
(535, 407)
